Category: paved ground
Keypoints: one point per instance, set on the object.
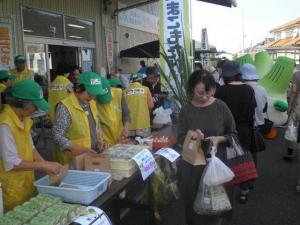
(273, 202)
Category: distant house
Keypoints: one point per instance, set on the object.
(286, 41)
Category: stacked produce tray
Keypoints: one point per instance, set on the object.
(121, 158)
(42, 210)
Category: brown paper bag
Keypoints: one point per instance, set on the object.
(97, 162)
(77, 162)
(192, 151)
(55, 180)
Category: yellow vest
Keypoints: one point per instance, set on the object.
(57, 92)
(17, 186)
(2, 89)
(136, 99)
(79, 131)
(25, 75)
(111, 117)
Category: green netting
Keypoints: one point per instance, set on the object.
(245, 59)
(277, 80)
(263, 63)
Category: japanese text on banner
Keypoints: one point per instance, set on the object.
(173, 28)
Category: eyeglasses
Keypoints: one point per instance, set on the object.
(205, 94)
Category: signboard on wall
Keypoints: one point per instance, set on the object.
(109, 45)
(7, 50)
(139, 20)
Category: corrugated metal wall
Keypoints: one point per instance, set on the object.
(85, 9)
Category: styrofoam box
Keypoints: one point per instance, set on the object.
(121, 156)
(91, 186)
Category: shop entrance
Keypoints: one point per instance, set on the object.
(59, 55)
(43, 59)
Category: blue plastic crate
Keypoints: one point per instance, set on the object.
(92, 184)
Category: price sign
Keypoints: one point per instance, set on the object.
(169, 153)
(145, 162)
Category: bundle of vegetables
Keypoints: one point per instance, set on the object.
(42, 210)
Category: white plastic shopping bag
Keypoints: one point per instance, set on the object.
(211, 200)
(234, 150)
(217, 172)
(291, 133)
(162, 116)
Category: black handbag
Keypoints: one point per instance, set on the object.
(266, 127)
(258, 142)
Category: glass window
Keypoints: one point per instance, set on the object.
(289, 34)
(78, 29)
(87, 59)
(36, 62)
(277, 35)
(41, 23)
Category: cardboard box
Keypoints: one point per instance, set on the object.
(192, 151)
(97, 162)
(77, 162)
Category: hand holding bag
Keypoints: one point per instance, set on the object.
(217, 172)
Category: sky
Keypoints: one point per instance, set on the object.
(224, 25)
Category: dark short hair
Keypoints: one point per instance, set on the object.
(79, 88)
(75, 67)
(151, 70)
(199, 65)
(237, 77)
(142, 62)
(63, 68)
(200, 76)
(221, 63)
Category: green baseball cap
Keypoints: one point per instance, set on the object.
(92, 83)
(106, 97)
(136, 76)
(115, 82)
(6, 74)
(30, 90)
(20, 59)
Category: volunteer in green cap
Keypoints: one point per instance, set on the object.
(20, 71)
(76, 129)
(19, 158)
(140, 103)
(5, 81)
(114, 113)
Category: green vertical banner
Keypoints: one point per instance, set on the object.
(175, 28)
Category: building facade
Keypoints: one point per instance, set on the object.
(86, 33)
(286, 41)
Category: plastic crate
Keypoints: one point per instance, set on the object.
(92, 185)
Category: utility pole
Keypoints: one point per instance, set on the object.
(243, 32)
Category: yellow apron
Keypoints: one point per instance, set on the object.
(111, 117)
(79, 131)
(2, 89)
(136, 99)
(17, 186)
(25, 75)
(57, 92)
